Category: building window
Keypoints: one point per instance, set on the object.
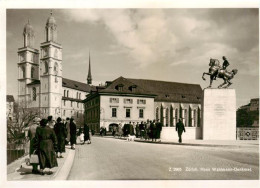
(80, 96)
(68, 93)
(23, 72)
(64, 103)
(71, 104)
(34, 93)
(77, 114)
(32, 72)
(46, 67)
(128, 113)
(128, 101)
(114, 100)
(141, 101)
(114, 112)
(77, 104)
(64, 93)
(141, 113)
(167, 117)
(157, 113)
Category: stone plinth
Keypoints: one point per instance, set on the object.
(170, 133)
(219, 114)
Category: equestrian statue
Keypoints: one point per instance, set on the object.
(216, 71)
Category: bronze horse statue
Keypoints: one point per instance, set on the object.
(216, 71)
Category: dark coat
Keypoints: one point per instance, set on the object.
(86, 133)
(126, 129)
(61, 135)
(73, 133)
(131, 129)
(46, 145)
(225, 64)
(31, 135)
(152, 130)
(180, 127)
(158, 130)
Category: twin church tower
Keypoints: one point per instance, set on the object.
(40, 82)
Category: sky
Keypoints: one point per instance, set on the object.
(160, 44)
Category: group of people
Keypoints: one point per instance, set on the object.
(48, 139)
(145, 130)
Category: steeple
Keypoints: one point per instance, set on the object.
(28, 35)
(51, 29)
(89, 79)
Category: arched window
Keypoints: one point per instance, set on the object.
(46, 67)
(34, 93)
(32, 72)
(23, 72)
(64, 93)
(68, 93)
(167, 117)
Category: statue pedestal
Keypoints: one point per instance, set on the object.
(219, 114)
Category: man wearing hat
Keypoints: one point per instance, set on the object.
(31, 135)
(180, 128)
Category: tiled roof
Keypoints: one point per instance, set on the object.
(9, 98)
(76, 85)
(163, 91)
(171, 91)
(126, 87)
(34, 82)
(72, 99)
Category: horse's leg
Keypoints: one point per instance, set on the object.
(204, 74)
(229, 84)
(222, 84)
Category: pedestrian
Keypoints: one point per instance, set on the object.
(180, 128)
(45, 146)
(50, 122)
(114, 131)
(131, 129)
(67, 126)
(73, 133)
(137, 130)
(148, 131)
(60, 131)
(31, 135)
(86, 134)
(152, 130)
(120, 130)
(158, 129)
(142, 130)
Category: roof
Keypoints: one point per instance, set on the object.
(9, 98)
(34, 82)
(162, 90)
(76, 85)
(171, 91)
(126, 87)
(72, 99)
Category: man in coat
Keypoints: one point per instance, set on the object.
(86, 134)
(67, 126)
(73, 133)
(31, 135)
(60, 132)
(180, 128)
(158, 129)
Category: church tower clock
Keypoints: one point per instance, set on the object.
(28, 66)
(51, 71)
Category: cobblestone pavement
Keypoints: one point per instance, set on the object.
(115, 159)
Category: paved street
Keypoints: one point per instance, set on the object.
(115, 159)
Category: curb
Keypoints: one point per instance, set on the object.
(63, 172)
(182, 144)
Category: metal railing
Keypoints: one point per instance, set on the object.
(248, 133)
(15, 151)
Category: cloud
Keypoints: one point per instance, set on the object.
(177, 36)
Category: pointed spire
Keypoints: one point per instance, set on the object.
(89, 79)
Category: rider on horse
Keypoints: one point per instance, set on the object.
(224, 66)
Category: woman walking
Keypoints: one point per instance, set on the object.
(60, 132)
(45, 145)
(73, 134)
(86, 134)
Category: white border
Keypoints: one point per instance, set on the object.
(6, 4)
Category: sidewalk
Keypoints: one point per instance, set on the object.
(207, 143)
(18, 170)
